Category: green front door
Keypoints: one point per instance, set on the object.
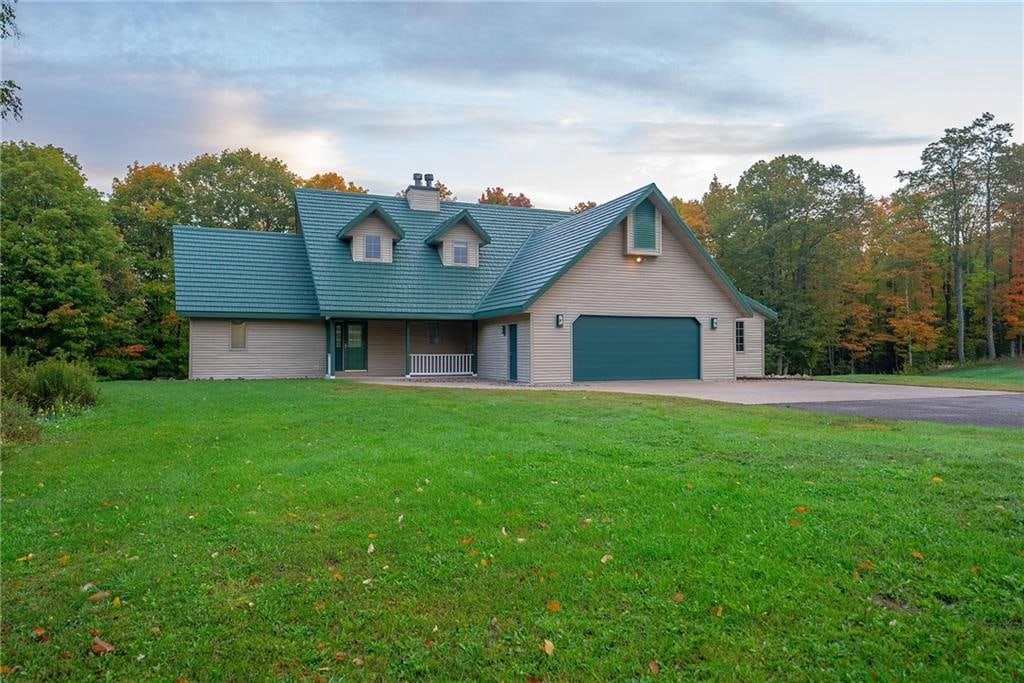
(618, 347)
(350, 345)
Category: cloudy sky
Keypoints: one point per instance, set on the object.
(562, 102)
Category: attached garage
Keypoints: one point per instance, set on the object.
(625, 347)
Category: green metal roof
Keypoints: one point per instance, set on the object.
(463, 216)
(243, 273)
(761, 308)
(416, 283)
(371, 208)
(549, 253)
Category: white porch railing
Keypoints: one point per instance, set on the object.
(440, 364)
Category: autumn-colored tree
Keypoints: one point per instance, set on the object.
(443, 192)
(1011, 215)
(497, 195)
(583, 206)
(331, 181)
(145, 205)
(695, 215)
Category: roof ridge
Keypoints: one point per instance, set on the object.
(235, 231)
(499, 207)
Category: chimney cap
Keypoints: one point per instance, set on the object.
(417, 179)
(429, 178)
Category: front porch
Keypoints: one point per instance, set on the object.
(396, 348)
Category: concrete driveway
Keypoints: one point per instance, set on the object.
(890, 401)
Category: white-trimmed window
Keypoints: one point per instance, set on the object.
(371, 247)
(739, 336)
(237, 342)
(460, 253)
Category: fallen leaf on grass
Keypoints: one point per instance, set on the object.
(63, 560)
(716, 611)
(917, 555)
(548, 647)
(101, 647)
(793, 521)
(338, 576)
(866, 565)
(255, 580)
(319, 606)
(466, 541)
(358, 661)
(606, 559)
(26, 558)
(801, 509)
(975, 570)
(40, 634)
(371, 549)
(678, 597)
(937, 480)
(117, 602)
(654, 667)
(554, 606)
(101, 595)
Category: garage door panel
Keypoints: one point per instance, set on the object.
(620, 347)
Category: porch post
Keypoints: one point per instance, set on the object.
(408, 349)
(329, 337)
(472, 344)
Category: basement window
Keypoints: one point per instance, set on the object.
(237, 335)
(371, 247)
(739, 335)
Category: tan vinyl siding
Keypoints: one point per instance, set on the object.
(423, 200)
(492, 348)
(372, 225)
(273, 349)
(605, 282)
(750, 361)
(385, 347)
(460, 232)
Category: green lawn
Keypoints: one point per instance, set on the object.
(1001, 376)
(230, 523)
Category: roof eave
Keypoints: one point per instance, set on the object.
(373, 207)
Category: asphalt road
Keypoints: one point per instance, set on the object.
(996, 410)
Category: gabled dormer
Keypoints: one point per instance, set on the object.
(372, 234)
(643, 230)
(458, 240)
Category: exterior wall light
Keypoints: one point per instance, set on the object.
(714, 323)
(559, 320)
(639, 259)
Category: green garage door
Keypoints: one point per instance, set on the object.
(616, 347)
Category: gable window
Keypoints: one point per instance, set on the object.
(237, 335)
(460, 253)
(371, 247)
(433, 333)
(739, 335)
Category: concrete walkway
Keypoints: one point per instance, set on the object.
(746, 392)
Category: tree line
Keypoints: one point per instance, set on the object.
(933, 273)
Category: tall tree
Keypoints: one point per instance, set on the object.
(1011, 214)
(497, 195)
(68, 286)
(695, 215)
(948, 175)
(992, 140)
(785, 233)
(331, 181)
(238, 189)
(10, 102)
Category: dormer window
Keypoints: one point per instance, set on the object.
(459, 239)
(372, 234)
(371, 247)
(460, 253)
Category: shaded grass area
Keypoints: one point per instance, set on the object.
(231, 524)
(999, 376)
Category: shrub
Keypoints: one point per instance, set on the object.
(59, 386)
(13, 368)
(17, 424)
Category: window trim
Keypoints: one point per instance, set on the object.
(380, 247)
(231, 335)
(741, 337)
(455, 246)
